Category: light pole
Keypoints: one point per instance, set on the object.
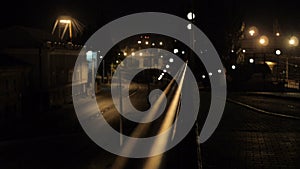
(293, 42)
(278, 53)
(264, 41)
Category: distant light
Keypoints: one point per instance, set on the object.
(191, 16)
(161, 56)
(183, 52)
(277, 34)
(139, 42)
(233, 67)
(162, 73)
(164, 70)
(278, 52)
(244, 51)
(99, 51)
(175, 51)
(269, 63)
(210, 74)
(189, 26)
(171, 60)
(251, 60)
(101, 57)
(125, 54)
(264, 40)
(132, 53)
(153, 44)
(147, 43)
(119, 54)
(141, 54)
(251, 32)
(203, 76)
(232, 50)
(219, 71)
(160, 43)
(117, 61)
(64, 21)
(293, 41)
(160, 77)
(167, 66)
(89, 53)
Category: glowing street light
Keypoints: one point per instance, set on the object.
(233, 67)
(65, 21)
(175, 51)
(66, 25)
(263, 40)
(189, 26)
(146, 43)
(160, 43)
(293, 41)
(251, 60)
(277, 34)
(278, 52)
(191, 16)
(139, 42)
(253, 31)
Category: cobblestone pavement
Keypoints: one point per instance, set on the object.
(246, 139)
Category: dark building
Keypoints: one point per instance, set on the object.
(48, 72)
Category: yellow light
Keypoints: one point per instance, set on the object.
(125, 54)
(146, 42)
(251, 32)
(269, 63)
(141, 54)
(277, 34)
(264, 40)
(293, 41)
(132, 53)
(64, 21)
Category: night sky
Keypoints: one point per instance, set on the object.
(215, 18)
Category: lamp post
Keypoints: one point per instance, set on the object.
(293, 42)
(278, 53)
(264, 41)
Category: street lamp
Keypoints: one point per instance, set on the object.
(293, 42)
(251, 60)
(191, 16)
(264, 40)
(278, 53)
(253, 31)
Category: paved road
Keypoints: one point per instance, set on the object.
(248, 139)
(77, 151)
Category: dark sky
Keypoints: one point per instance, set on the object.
(214, 17)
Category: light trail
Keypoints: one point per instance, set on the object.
(142, 128)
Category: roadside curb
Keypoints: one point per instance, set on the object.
(291, 96)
